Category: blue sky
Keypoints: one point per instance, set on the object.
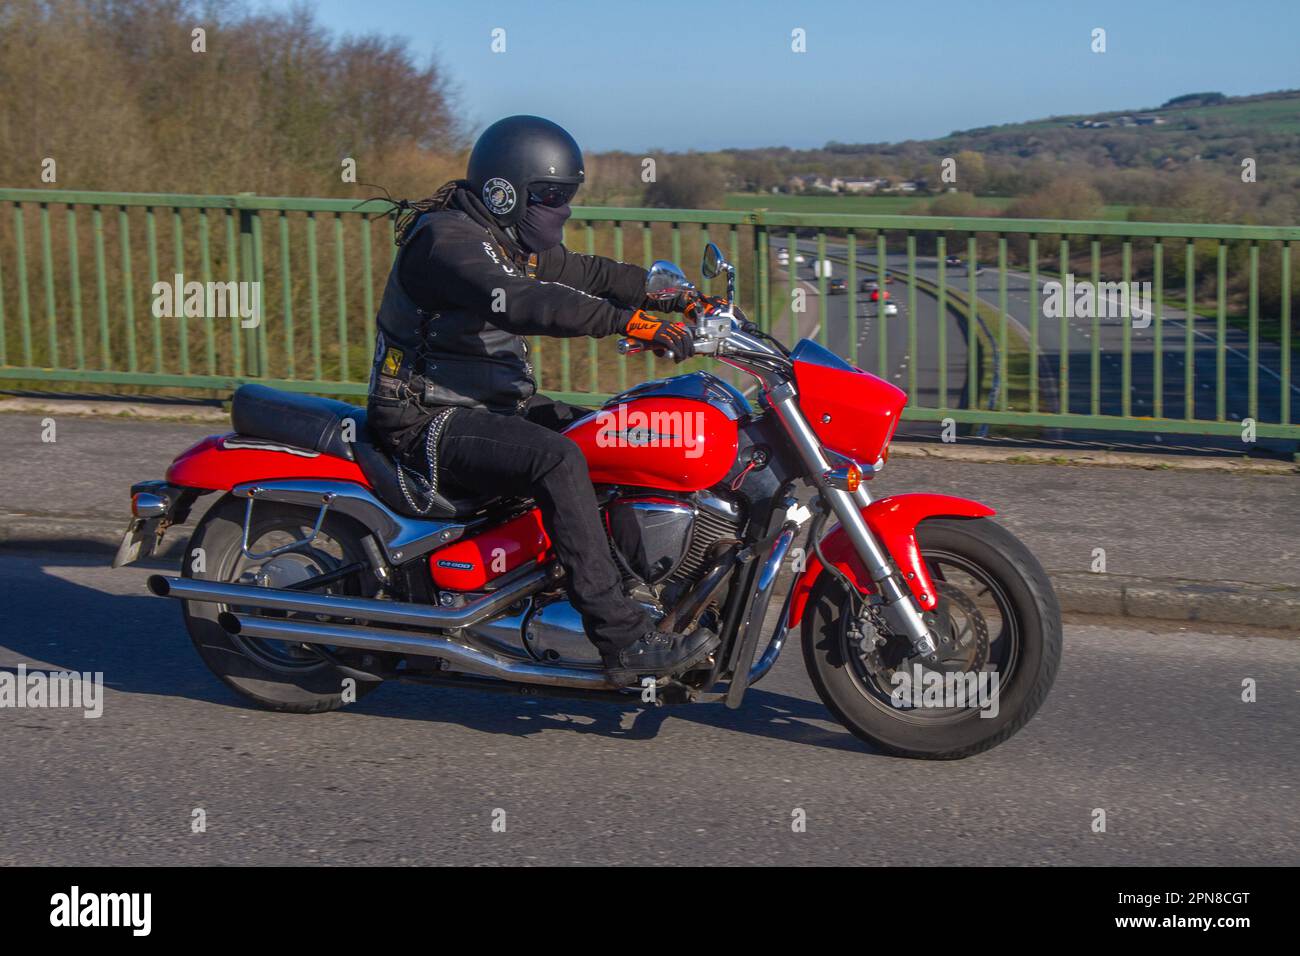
(706, 75)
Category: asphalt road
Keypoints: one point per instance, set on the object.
(1148, 726)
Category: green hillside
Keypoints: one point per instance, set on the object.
(1184, 160)
(1269, 122)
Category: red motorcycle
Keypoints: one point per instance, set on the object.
(325, 569)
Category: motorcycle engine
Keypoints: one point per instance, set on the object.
(661, 544)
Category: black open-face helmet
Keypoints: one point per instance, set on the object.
(522, 159)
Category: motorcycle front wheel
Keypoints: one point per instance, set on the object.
(998, 631)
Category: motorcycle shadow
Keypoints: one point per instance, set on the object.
(138, 643)
(764, 713)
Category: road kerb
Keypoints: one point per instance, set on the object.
(1176, 599)
(1096, 457)
(1080, 592)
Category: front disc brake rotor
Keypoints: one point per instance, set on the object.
(958, 628)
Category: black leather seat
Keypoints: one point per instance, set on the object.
(306, 421)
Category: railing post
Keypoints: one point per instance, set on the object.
(252, 353)
(759, 237)
(1284, 417)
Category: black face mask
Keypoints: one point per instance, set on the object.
(542, 226)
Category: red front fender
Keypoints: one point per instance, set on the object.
(893, 521)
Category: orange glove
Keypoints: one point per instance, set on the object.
(702, 304)
(681, 300)
(672, 337)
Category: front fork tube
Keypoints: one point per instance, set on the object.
(897, 607)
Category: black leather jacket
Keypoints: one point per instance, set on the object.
(459, 299)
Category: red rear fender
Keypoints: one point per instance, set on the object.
(219, 462)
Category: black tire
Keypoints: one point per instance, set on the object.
(1030, 623)
(311, 685)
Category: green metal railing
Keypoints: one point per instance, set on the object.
(972, 343)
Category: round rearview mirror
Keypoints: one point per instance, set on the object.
(665, 279)
(713, 263)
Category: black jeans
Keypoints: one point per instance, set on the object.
(525, 455)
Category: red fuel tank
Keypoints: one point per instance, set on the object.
(676, 434)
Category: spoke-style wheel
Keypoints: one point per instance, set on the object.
(997, 628)
(278, 675)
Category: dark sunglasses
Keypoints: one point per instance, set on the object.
(552, 194)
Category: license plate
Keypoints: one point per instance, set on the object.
(137, 542)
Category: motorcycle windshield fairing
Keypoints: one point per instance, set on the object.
(853, 412)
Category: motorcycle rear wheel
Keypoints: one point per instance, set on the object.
(997, 613)
(274, 675)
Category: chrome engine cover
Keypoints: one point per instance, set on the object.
(549, 630)
(650, 535)
(553, 634)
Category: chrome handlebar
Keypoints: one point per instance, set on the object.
(722, 335)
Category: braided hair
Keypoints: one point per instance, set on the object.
(410, 210)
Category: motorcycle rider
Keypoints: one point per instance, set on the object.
(452, 394)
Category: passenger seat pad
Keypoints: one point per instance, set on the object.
(307, 421)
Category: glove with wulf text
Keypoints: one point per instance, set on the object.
(671, 337)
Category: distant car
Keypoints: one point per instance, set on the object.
(877, 295)
(952, 260)
(868, 285)
(799, 258)
(891, 309)
(837, 287)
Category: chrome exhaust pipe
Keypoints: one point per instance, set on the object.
(461, 657)
(362, 609)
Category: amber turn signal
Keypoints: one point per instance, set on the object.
(845, 478)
